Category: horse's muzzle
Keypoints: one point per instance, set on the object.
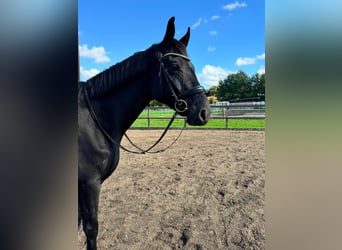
(199, 118)
(204, 116)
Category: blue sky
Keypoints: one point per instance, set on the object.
(226, 35)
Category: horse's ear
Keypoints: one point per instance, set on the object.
(185, 38)
(170, 30)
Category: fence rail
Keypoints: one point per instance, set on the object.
(161, 115)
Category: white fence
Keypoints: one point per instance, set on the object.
(218, 112)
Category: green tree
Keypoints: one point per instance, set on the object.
(234, 87)
(258, 85)
(211, 100)
(212, 91)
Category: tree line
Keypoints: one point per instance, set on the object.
(235, 87)
(239, 86)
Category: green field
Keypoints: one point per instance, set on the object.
(163, 117)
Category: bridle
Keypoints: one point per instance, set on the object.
(180, 105)
(180, 102)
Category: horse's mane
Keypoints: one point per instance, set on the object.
(121, 72)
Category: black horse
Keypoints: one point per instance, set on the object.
(109, 103)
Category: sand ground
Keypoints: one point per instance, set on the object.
(206, 192)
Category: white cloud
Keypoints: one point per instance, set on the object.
(197, 24)
(249, 60)
(99, 54)
(261, 57)
(261, 70)
(235, 5)
(86, 74)
(213, 33)
(215, 18)
(245, 61)
(211, 75)
(211, 49)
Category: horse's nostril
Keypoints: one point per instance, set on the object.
(203, 115)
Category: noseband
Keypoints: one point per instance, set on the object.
(180, 103)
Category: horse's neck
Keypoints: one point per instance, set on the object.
(122, 107)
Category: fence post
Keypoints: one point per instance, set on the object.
(148, 117)
(226, 114)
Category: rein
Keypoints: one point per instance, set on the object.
(143, 151)
(180, 106)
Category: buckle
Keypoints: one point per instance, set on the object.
(181, 106)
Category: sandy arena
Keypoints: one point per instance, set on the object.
(206, 192)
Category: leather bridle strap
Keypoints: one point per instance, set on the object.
(93, 115)
(180, 104)
(195, 90)
(141, 151)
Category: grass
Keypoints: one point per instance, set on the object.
(163, 117)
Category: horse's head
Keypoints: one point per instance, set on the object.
(178, 84)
